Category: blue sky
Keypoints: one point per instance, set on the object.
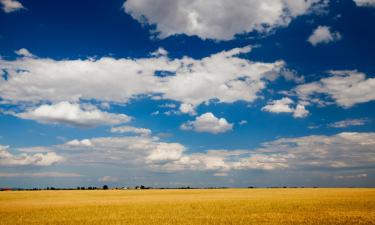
(177, 93)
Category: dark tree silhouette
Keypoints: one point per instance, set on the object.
(105, 187)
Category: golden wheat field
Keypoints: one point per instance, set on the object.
(217, 206)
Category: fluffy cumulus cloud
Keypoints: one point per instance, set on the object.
(279, 106)
(195, 17)
(208, 123)
(164, 152)
(346, 88)
(348, 123)
(344, 151)
(11, 5)
(365, 3)
(285, 105)
(323, 34)
(300, 111)
(38, 159)
(73, 114)
(187, 108)
(223, 77)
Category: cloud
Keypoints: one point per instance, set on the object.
(11, 5)
(365, 3)
(284, 105)
(323, 34)
(155, 113)
(300, 111)
(346, 151)
(168, 105)
(139, 152)
(166, 152)
(24, 52)
(172, 17)
(348, 123)
(41, 174)
(38, 159)
(80, 143)
(242, 122)
(279, 106)
(208, 123)
(222, 77)
(130, 129)
(355, 176)
(187, 108)
(346, 88)
(72, 114)
(108, 179)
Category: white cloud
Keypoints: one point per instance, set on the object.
(355, 176)
(187, 108)
(11, 5)
(130, 129)
(24, 52)
(224, 77)
(285, 105)
(279, 106)
(242, 122)
(168, 105)
(166, 152)
(323, 34)
(155, 113)
(80, 143)
(221, 174)
(343, 150)
(263, 162)
(108, 179)
(208, 123)
(38, 159)
(346, 151)
(73, 114)
(300, 111)
(348, 123)
(160, 52)
(347, 88)
(230, 18)
(365, 3)
(41, 174)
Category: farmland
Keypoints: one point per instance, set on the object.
(198, 206)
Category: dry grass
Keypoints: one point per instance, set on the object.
(225, 206)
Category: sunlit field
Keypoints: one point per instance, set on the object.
(218, 206)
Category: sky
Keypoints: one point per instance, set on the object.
(173, 93)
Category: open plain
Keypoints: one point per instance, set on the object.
(196, 206)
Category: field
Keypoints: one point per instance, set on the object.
(219, 206)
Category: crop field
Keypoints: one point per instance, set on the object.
(198, 206)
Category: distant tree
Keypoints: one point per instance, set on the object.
(78, 188)
(83, 188)
(105, 187)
